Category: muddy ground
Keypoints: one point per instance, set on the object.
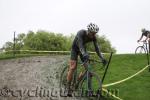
(31, 78)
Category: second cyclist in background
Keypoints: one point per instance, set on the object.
(145, 33)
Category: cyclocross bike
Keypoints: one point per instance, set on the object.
(90, 84)
(142, 48)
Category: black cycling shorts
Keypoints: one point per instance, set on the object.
(74, 55)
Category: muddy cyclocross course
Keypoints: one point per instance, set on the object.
(31, 78)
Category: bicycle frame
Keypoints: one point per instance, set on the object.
(87, 72)
(145, 46)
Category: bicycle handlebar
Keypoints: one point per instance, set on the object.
(143, 42)
(91, 60)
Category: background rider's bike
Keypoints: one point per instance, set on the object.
(89, 84)
(142, 48)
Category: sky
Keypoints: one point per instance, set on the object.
(120, 21)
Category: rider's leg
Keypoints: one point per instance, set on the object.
(81, 73)
(72, 66)
(80, 76)
(148, 52)
(148, 46)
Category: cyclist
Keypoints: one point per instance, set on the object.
(145, 33)
(78, 48)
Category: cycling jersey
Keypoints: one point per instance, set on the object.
(78, 46)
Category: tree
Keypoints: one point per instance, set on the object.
(104, 45)
(19, 41)
(28, 40)
(43, 40)
(8, 46)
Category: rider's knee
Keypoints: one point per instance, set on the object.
(73, 65)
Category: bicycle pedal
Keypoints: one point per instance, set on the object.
(70, 92)
(89, 93)
(69, 95)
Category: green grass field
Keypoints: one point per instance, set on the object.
(123, 66)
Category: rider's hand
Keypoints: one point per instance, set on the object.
(86, 57)
(104, 61)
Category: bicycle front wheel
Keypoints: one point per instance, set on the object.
(140, 50)
(91, 87)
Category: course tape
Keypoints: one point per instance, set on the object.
(114, 83)
(47, 51)
(39, 51)
(105, 90)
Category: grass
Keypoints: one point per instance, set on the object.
(123, 66)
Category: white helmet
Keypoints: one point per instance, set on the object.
(143, 30)
(93, 28)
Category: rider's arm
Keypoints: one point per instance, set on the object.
(80, 42)
(97, 49)
(140, 38)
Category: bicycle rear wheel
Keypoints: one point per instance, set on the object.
(140, 50)
(92, 87)
(63, 77)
